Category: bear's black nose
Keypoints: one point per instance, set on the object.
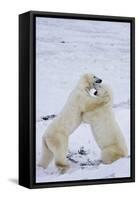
(95, 93)
(98, 81)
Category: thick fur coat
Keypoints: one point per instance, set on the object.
(55, 138)
(105, 128)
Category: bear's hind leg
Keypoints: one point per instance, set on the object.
(59, 147)
(61, 162)
(110, 154)
(46, 156)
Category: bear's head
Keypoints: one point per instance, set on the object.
(102, 89)
(90, 81)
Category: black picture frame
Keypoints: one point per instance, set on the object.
(27, 100)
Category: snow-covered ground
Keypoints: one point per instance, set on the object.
(66, 49)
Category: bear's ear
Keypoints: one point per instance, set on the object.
(86, 79)
(89, 77)
(85, 76)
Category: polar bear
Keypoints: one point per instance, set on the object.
(105, 128)
(55, 138)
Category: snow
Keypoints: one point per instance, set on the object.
(66, 49)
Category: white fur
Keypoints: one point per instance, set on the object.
(106, 130)
(55, 139)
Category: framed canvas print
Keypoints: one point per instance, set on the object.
(76, 99)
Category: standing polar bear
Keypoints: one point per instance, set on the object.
(55, 138)
(105, 128)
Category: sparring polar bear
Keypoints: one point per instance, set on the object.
(105, 128)
(55, 138)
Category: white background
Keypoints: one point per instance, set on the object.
(9, 11)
